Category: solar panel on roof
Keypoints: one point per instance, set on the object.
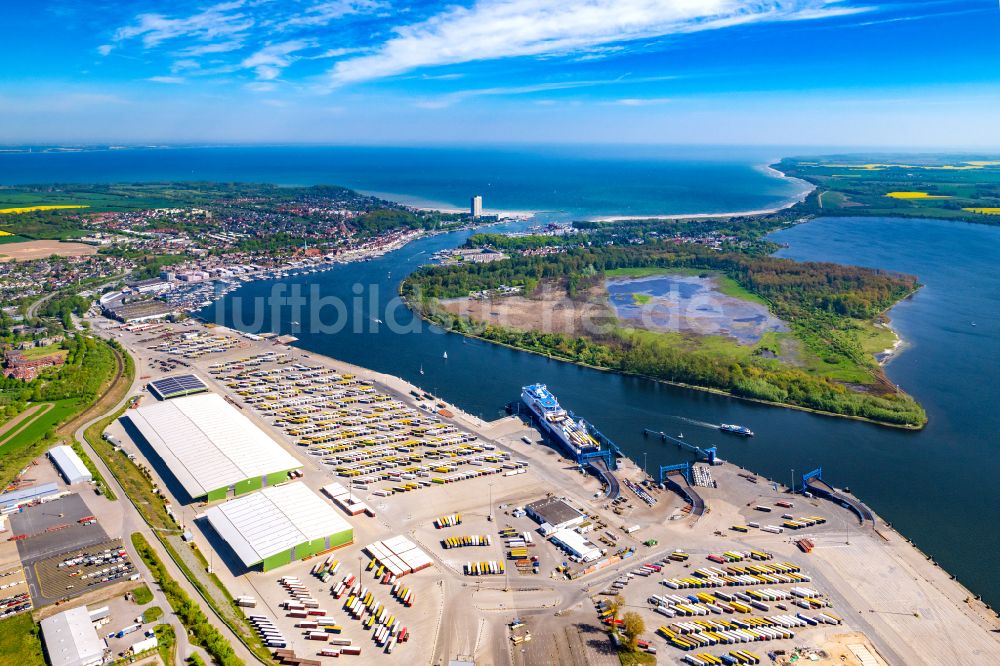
(177, 385)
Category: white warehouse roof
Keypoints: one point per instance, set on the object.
(71, 640)
(70, 465)
(208, 444)
(274, 520)
(577, 544)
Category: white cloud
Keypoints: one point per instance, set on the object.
(448, 99)
(261, 86)
(104, 49)
(272, 59)
(642, 101)
(220, 20)
(492, 29)
(167, 79)
(323, 13)
(206, 49)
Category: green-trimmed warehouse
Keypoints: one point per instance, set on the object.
(210, 447)
(279, 525)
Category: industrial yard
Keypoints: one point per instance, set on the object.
(394, 528)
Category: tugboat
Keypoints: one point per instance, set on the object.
(736, 429)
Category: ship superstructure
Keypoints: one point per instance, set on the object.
(573, 435)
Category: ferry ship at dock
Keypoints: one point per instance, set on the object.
(577, 437)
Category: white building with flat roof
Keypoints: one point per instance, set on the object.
(576, 544)
(71, 640)
(69, 464)
(476, 207)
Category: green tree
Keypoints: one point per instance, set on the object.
(633, 628)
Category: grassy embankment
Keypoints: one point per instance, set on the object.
(141, 595)
(77, 390)
(186, 609)
(20, 643)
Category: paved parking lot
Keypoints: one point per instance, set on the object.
(51, 530)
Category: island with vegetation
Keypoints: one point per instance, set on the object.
(699, 303)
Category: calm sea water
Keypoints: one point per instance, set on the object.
(567, 182)
(937, 486)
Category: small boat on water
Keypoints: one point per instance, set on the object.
(736, 429)
(445, 356)
(421, 369)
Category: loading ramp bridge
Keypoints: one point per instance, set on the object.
(678, 479)
(600, 469)
(813, 482)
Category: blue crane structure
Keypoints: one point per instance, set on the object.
(709, 454)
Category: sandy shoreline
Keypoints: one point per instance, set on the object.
(798, 198)
(807, 189)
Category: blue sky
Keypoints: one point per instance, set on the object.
(850, 73)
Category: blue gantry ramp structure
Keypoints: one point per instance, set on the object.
(813, 482)
(678, 478)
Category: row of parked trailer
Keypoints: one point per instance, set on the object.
(487, 568)
(362, 434)
(731, 659)
(699, 634)
(739, 556)
(403, 594)
(717, 603)
(739, 575)
(323, 570)
(268, 632)
(448, 521)
(196, 345)
(464, 541)
(801, 523)
(362, 605)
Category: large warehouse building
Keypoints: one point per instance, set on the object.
(210, 447)
(70, 639)
(278, 525)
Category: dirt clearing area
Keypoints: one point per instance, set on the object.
(44, 248)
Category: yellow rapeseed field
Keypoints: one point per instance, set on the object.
(5, 233)
(984, 211)
(965, 166)
(915, 195)
(29, 209)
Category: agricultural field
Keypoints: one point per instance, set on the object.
(943, 188)
(33, 428)
(32, 209)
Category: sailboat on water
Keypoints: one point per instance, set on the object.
(421, 368)
(446, 356)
